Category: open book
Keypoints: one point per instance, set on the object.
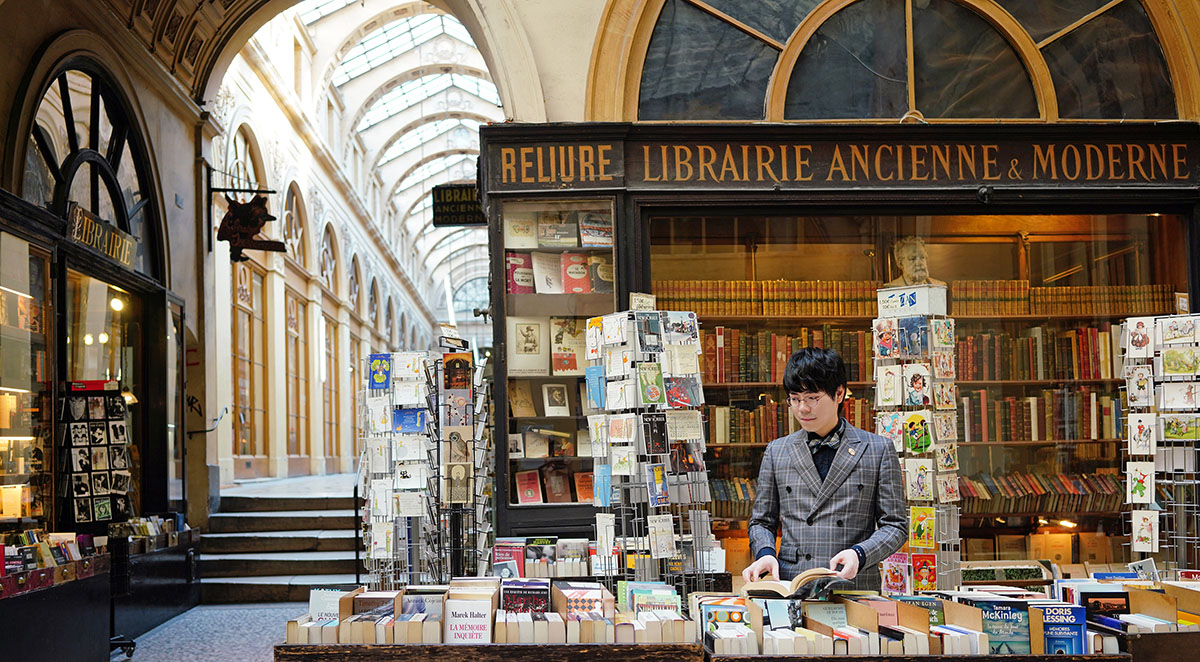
(812, 583)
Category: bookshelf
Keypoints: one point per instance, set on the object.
(553, 272)
(1037, 313)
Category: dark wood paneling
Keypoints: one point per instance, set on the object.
(490, 653)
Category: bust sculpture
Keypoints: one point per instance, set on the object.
(913, 260)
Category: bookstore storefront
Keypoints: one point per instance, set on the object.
(778, 236)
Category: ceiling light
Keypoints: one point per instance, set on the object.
(117, 304)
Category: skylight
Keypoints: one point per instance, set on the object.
(465, 135)
(460, 166)
(417, 90)
(395, 39)
(314, 10)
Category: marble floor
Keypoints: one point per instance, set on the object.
(218, 633)
(331, 485)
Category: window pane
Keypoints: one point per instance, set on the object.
(699, 68)
(1112, 68)
(775, 18)
(853, 67)
(963, 66)
(1043, 18)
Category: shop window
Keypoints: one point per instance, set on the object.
(297, 376)
(249, 372)
(330, 370)
(85, 149)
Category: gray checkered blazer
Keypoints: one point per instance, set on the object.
(860, 502)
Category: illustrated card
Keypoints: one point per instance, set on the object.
(888, 391)
(650, 388)
(945, 426)
(1141, 433)
(118, 432)
(614, 328)
(1179, 395)
(1180, 361)
(1138, 341)
(96, 408)
(683, 392)
(1179, 427)
(99, 483)
(947, 488)
(917, 438)
(618, 361)
(79, 434)
(921, 527)
(913, 334)
(895, 574)
(924, 572)
(946, 457)
(101, 509)
(118, 457)
(1139, 482)
(83, 510)
(1139, 385)
(1145, 531)
(554, 400)
(594, 337)
(890, 425)
(624, 462)
(649, 331)
(1176, 330)
(379, 372)
(918, 479)
(98, 432)
(80, 485)
(883, 338)
(621, 394)
(916, 384)
(681, 327)
(945, 395)
(943, 364)
(99, 458)
(116, 407)
(943, 333)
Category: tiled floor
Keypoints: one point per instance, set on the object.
(332, 485)
(218, 633)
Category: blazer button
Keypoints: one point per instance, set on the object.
(808, 557)
(811, 520)
(839, 522)
(789, 489)
(860, 487)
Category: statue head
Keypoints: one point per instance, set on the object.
(912, 258)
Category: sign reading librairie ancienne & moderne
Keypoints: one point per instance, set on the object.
(90, 230)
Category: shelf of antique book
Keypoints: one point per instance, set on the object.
(1044, 442)
(777, 385)
(712, 320)
(558, 305)
(489, 652)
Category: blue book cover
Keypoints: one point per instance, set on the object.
(408, 421)
(656, 484)
(602, 485)
(379, 372)
(1064, 629)
(1006, 623)
(595, 385)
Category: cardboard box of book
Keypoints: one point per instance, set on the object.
(470, 611)
(581, 597)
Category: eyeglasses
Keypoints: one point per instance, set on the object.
(809, 401)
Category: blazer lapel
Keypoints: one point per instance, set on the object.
(803, 459)
(843, 463)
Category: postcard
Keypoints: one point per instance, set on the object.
(945, 426)
(890, 425)
(1145, 531)
(598, 431)
(1139, 385)
(943, 364)
(662, 536)
(621, 394)
(1139, 482)
(916, 384)
(656, 484)
(681, 327)
(622, 428)
(1138, 343)
(614, 328)
(651, 390)
(921, 527)
(884, 338)
(594, 337)
(946, 457)
(1179, 395)
(943, 333)
(917, 438)
(895, 574)
(924, 572)
(945, 395)
(1176, 329)
(947, 488)
(888, 391)
(687, 424)
(649, 331)
(918, 479)
(618, 361)
(1142, 432)
(554, 400)
(379, 370)
(1180, 361)
(1179, 427)
(913, 336)
(624, 462)
(683, 392)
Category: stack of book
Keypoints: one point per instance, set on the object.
(1054, 414)
(1033, 493)
(777, 297)
(733, 356)
(731, 424)
(989, 297)
(1102, 300)
(1041, 352)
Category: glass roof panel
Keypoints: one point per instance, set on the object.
(313, 10)
(417, 90)
(457, 164)
(465, 134)
(395, 39)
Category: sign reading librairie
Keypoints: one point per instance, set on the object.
(457, 204)
(88, 229)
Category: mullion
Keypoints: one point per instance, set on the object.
(94, 115)
(64, 92)
(116, 145)
(47, 152)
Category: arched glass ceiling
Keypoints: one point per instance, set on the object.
(313, 10)
(393, 40)
(417, 90)
(465, 135)
(457, 164)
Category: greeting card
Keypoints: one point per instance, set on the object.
(623, 461)
(947, 488)
(1145, 531)
(913, 336)
(887, 386)
(943, 333)
(1176, 330)
(1179, 395)
(379, 372)
(649, 331)
(1141, 434)
(883, 332)
(1179, 427)
(945, 458)
(924, 572)
(943, 364)
(598, 431)
(945, 395)
(1139, 385)
(1180, 361)
(890, 425)
(594, 337)
(656, 484)
(896, 574)
(916, 384)
(918, 479)
(681, 327)
(916, 431)
(614, 328)
(945, 426)
(921, 527)
(1139, 482)
(651, 390)
(1138, 343)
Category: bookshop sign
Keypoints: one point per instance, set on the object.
(456, 205)
(885, 157)
(88, 229)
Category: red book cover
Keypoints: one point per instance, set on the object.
(583, 486)
(507, 552)
(518, 268)
(529, 487)
(558, 483)
(575, 273)
(708, 341)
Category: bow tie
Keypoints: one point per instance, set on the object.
(830, 440)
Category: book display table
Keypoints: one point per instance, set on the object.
(894, 658)
(1162, 646)
(490, 653)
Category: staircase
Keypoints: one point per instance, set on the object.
(274, 548)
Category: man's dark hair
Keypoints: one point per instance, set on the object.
(813, 370)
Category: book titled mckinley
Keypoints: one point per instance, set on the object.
(1006, 622)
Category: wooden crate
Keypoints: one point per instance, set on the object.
(490, 653)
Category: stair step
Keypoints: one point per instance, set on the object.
(276, 563)
(278, 541)
(281, 520)
(276, 588)
(244, 504)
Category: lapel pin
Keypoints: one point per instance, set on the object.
(850, 451)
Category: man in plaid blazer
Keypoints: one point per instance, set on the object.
(833, 489)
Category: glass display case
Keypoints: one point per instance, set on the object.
(1037, 302)
(26, 475)
(558, 268)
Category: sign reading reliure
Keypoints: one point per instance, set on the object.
(457, 205)
(888, 157)
(90, 230)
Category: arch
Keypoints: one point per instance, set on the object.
(425, 69)
(389, 322)
(329, 266)
(495, 27)
(373, 316)
(294, 227)
(91, 53)
(354, 287)
(354, 36)
(452, 234)
(994, 14)
(403, 323)
(435, 85)
(422, 121)
(428, 158)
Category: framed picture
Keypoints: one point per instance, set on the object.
(554, 400)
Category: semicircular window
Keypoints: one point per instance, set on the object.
(85, 150)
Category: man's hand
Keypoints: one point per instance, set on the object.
(848, 559)
(766, 565)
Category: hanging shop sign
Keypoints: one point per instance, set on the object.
(88, 229)
(828, 157)
(457, 205)
(241, 226)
